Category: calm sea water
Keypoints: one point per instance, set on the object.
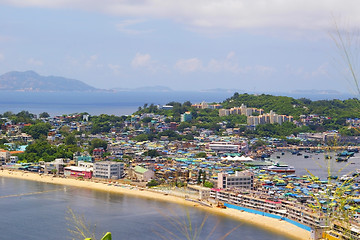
(43, 215)
(95, 103)
(317, 165)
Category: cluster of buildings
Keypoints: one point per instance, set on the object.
(353, 122)
(256, 116)
(253, 189)
(271, 117)
(205, 105)
(307, 202)
(242, 110)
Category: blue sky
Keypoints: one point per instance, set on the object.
(249, 45)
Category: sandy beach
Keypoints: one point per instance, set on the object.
(267, 223)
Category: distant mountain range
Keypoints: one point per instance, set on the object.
(30, 81)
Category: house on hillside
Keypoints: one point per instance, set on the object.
(142, 174)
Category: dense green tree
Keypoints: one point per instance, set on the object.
(146, 119)
(97, 143)
(44, 115)
(345, 131)
(152, 183)
(70, 139)
(152, 153)
(201, 155)
(37, 130)
(208, 184)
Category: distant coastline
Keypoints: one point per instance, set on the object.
(266, 223)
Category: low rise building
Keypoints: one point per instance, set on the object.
(4, 155)
(143, 174)
(224, 147)
(243, 179)
(108, 170)
(186, 117)
(78, 172)
(56, 166)
(14, 159)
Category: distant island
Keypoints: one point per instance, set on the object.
(30, 81)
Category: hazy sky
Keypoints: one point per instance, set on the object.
(254, 45)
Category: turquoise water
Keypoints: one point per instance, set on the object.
(41, 215)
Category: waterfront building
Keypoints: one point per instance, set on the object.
(342, 231)
(56, 166)
(4, 155)
(77, 172)
(241, 179)
(109, 170)
(202, 192)
(85, 164)
(143, 174)
(263, 204)
(14, 159)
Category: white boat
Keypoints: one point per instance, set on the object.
(281, 168)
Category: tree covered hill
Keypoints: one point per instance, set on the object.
(335, 108)
(279, 104)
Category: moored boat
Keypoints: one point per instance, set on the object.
(281, 168)
(342, 159)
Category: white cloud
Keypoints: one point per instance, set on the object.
(145, 61)
(227, 65)
(91, 61)
(319, 71)
(115, 68)
(189, 65)
(125, 25)
(231, 14)
(141, 60)
(34, 62)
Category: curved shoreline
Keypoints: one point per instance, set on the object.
(270, 224)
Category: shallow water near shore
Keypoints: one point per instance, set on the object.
(316, 164)
(41, 214)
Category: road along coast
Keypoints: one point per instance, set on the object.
(270, 224)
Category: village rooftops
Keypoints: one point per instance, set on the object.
(140, 169)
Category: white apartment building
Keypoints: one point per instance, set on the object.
(4, 155)
(271, 117)
(224, 112)
(109, 170)
(14, 159)
(243, 179)
(224, 147)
